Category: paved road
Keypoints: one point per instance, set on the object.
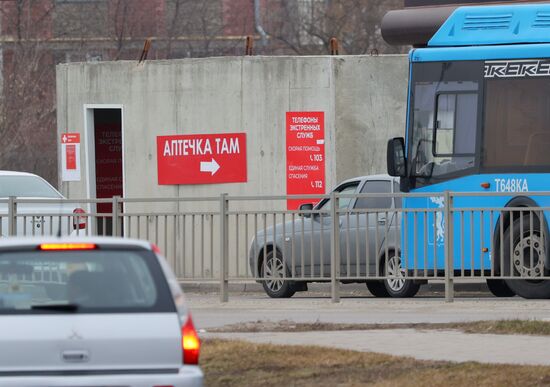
(208, 312)
(425, 345)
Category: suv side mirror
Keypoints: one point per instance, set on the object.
(397, 164)
(306, 207)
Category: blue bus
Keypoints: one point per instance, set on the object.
(479, 121)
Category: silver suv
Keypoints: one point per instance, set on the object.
(93, 312)
(368, 243)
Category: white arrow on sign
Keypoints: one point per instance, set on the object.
(210, 166)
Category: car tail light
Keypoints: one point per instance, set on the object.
(68, 246)
(190, 342)
(79, 221)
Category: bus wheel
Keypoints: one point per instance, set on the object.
(525, 258)
(499, 288)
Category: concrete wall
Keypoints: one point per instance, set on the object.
(363, 97)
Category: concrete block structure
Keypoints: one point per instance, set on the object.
(119, 109)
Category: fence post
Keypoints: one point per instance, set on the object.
(449, 261)
(224, 204)
(12, 216)
(115, 215)
(335, 248)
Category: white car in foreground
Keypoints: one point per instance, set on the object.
(48, 215)
(92, 312)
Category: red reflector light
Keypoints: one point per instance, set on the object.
(190, 343)
(79, 222)
(155, 249)
(68, 246)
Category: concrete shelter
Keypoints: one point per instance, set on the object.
(119, 109)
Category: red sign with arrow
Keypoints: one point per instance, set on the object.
(201, 159)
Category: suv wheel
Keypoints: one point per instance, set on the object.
(377, 289)
(273, 273)
(396, 283)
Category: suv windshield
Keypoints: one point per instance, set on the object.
(92, 281)
(26, 186)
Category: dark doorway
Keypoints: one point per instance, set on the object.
(108, 163)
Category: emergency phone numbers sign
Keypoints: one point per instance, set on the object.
(201, 159)
(305, 155)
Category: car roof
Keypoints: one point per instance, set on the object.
(384, 177)
(25, 242)
(16, 173)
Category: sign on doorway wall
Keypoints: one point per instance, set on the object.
(108, 156)
(305, 155)
(70, 157)
(202, 158)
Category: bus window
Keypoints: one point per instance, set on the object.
(455, 125)
(517, 116)
(450, 146)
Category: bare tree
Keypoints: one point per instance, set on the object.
(27, 111)
(207, 27)
(37, 34)
(305, 27)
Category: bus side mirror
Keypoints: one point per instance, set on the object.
(397, 164)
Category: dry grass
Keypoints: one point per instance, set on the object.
(235, 363)
(524, 327)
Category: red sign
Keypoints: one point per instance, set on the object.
(70, 138)
(71, 156)
(305, 155)
(201, 158)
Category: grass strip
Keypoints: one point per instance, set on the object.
(522, 327)
(237, 363)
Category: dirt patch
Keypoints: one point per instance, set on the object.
(523, 327)
(235, 363)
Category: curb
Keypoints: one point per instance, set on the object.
(325, 287)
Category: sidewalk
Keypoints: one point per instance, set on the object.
(449, 345)
(208, 312)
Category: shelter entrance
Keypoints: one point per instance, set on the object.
(106, 176)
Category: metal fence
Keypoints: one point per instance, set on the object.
(236, 239)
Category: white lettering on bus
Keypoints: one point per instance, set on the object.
(511, 185)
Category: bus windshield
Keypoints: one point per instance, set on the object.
(462, 118)
(444, 118)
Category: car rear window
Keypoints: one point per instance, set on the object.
(94, 281)
(26, 186)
